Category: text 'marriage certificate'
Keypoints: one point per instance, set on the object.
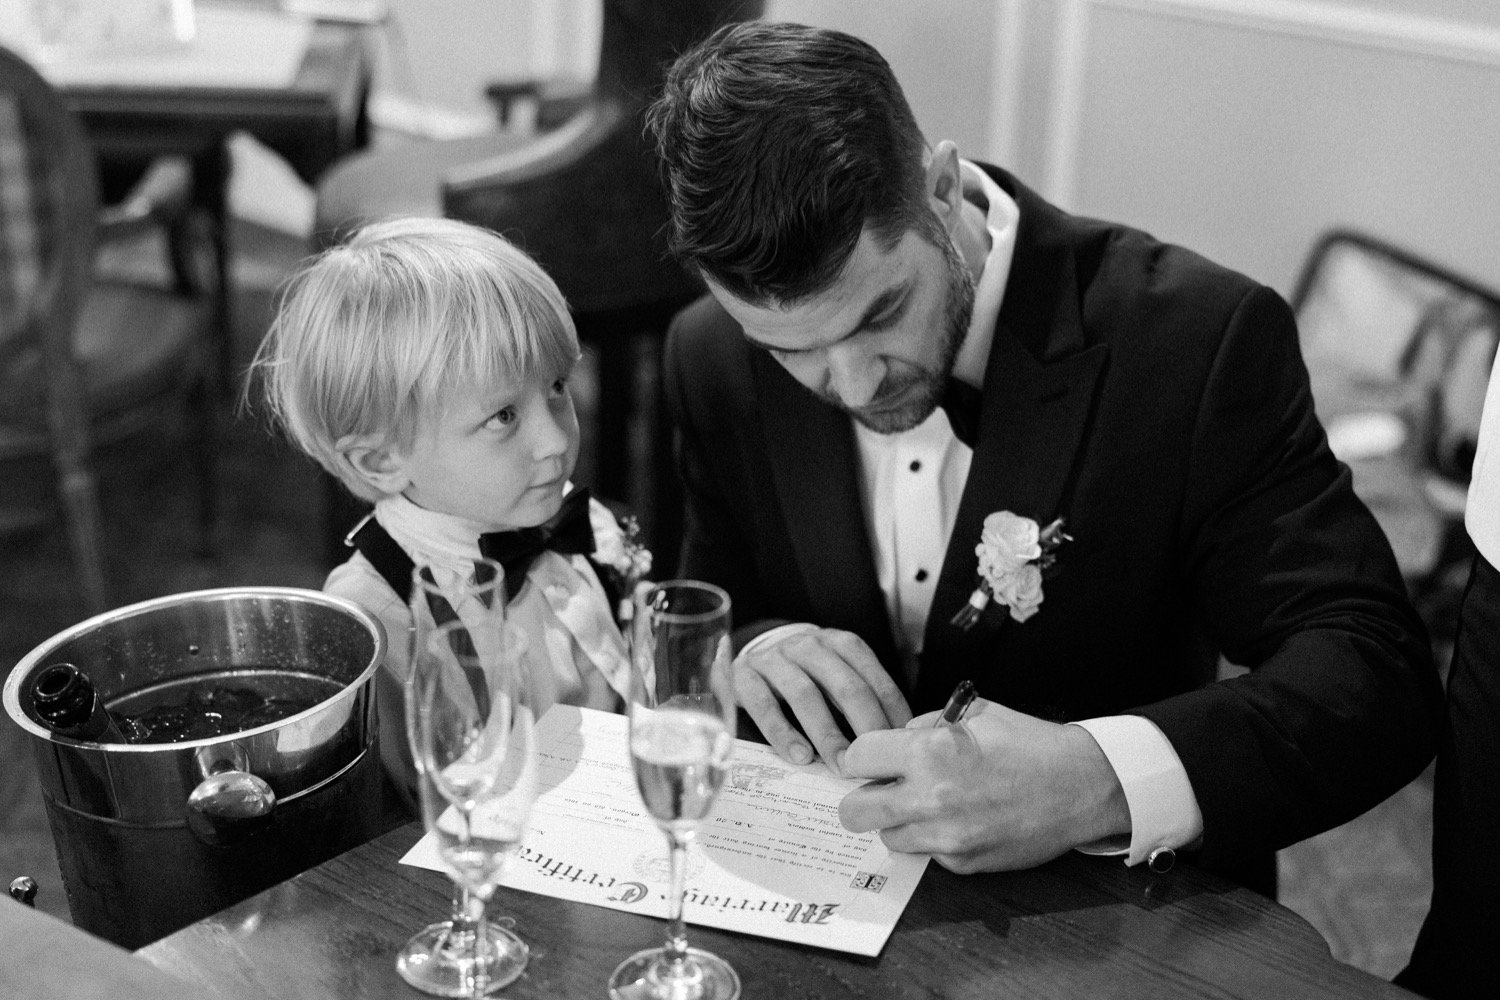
(772, 859)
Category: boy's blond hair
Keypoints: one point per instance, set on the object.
(371, 333)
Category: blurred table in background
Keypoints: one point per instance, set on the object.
(1077, 927)
(298, 85)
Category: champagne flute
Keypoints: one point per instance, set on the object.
(470, 722)
(681, 734)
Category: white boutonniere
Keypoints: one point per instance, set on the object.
(1015, 556)
(619, 554)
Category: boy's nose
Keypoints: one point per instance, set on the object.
(554, 433)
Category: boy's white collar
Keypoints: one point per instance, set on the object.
(428, 536)
(431, 537)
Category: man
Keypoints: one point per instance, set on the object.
(862, 284)
(1454, 954)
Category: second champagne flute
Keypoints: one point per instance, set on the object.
(682, 716)
(470, 724)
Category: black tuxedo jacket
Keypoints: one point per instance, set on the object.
(1160, 403)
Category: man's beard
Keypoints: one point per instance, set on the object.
(923, 389)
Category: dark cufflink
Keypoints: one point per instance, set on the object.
(1161, 860)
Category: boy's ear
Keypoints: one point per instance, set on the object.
(375, 461)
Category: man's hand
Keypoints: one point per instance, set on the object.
(998, 791)
(807, 671)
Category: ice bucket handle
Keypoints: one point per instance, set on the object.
(23, 890)
(230, 804)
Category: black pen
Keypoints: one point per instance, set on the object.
(958, 704)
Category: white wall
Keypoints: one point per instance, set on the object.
(1244, 128)
(942, 51)
(1241, 128)
(440, 53)
(434, 57)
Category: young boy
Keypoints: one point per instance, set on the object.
(425, 363)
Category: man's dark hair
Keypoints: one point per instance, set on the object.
(779, 144)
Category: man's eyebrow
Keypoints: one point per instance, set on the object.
(880, 305)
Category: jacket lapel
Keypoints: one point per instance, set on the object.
(815, 473)
(1038, 396)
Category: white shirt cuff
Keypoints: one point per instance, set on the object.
(1163, 809)
(772, 636)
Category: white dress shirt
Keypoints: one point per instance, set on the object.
(908, 478)
(1482, 512)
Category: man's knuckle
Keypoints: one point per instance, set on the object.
(848, 644)
(847, 689)
(795, 686)
(751, 690)
(798, 643)
(826, 735)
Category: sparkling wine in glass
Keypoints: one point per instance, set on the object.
(681, 734)
(471, 725)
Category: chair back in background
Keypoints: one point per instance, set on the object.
(588, 200)
(48, 203)
(84, 359)
(1399, 351)
(48, 200)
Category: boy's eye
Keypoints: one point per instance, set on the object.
(502, 418)
(559, 386)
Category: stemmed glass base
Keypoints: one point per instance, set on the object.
(651, 975)
(437, 960)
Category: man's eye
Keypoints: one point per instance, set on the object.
(502, 418)
(888, 318)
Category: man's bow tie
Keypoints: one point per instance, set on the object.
(569, 532)
(961, 402)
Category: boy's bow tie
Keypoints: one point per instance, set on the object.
(569, 532)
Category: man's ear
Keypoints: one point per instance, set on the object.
(944, 184)
(375, 461)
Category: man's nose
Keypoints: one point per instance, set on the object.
(853, 374)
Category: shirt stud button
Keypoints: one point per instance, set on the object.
(916, 466)
(921, 575)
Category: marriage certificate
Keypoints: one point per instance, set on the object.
(772, 859)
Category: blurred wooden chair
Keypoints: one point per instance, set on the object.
(1399, 351)
(584, 197)
(87, 360)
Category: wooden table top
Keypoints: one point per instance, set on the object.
(1077, 927)
(311, 122)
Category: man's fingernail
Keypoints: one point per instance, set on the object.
(838, 761)
(801, 753)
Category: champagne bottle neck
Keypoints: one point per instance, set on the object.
(66, 702)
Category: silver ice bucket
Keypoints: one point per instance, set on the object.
(153, 836)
